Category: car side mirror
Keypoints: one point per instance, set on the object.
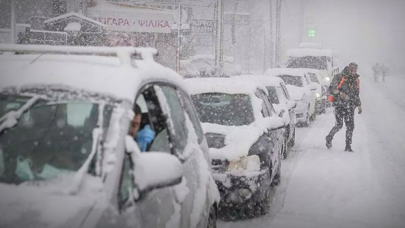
(276, 122)
(154, 170)
(291, 105)
(313, 86)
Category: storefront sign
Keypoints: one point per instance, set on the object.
(137, 21)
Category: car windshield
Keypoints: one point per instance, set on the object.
(49, 139)
(224, 109)
(272, 94)
(292, 80)
(311, 62)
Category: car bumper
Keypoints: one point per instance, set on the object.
(301, 112)
(239, 191)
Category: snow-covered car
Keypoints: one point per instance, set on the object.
(301, 90)
(245, 137)
(313, 56)
(206, 65)
(282, 103)
(66, 158)
(321, 90)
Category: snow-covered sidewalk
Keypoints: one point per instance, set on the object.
(333, 188)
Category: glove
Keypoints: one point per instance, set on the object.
(144, 137)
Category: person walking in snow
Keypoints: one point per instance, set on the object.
(384, 71)
(376, 71)
(345, 91)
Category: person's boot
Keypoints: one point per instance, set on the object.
(328, 139)
(348, 148)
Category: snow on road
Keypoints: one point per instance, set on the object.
(333, 188)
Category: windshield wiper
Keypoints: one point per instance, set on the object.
(79, 176)
(10, 119)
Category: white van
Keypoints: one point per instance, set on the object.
(313, 56)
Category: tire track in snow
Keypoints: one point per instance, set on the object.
(303, 135)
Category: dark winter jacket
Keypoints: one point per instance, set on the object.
(350, 85)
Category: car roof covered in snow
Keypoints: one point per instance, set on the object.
(301, 52)
(106, 75)
(286, 71)
(266, 80)
(231, 85)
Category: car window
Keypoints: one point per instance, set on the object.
(176, 116)
(313, 77)
(268, 107)
(192, 114)
(292, 80)
(153, 131)
(281, 95)
(224, 109)
(273, 94)
(77, 113)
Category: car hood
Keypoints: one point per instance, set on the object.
(238, 139)
(296, 93)
(33, 206)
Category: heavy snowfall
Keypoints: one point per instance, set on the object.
(187, 113)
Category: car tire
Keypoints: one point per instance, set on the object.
(306, 123)
(277, 178)
(263, 207)
(285, 149)
(292, 140)
(212, 218)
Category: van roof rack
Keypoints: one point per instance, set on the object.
(123, 53)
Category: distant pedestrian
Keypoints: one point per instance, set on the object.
(384, 71)
(345, 91)
(376, 71)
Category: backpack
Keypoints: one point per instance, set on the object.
(331, 98)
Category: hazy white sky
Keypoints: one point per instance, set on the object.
(362, 30)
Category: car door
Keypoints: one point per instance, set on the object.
(311, 94)
(276, 136)
(291, 111)
(194, 206)
(159, 207)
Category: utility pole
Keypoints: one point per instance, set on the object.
(271, 33)
(278, 31)
(219, 12)
(12, 30)
(178, 40)
(264, 50)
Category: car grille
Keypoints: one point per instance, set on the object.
(215, 140)
(219, 165)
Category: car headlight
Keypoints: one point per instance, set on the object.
(251, 163)
(318, 95)
(327, 79)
